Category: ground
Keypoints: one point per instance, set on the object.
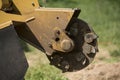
(98, 70)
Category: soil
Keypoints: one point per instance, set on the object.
(98, 70)
(101, 71)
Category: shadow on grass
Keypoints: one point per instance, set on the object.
(115, 53)
(115, 56)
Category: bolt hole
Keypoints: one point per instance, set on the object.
(33, 4)
(57, 17)
(57, 39)
(58, 32)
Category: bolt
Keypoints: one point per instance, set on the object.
(65, 64)
(51, 57)
(66, 45)
(67, 67)
(59, 65)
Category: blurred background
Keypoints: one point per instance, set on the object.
(104, 17)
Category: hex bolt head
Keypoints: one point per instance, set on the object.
(67, 67)
(66, 45)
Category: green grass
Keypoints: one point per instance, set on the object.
(44, 72)
(39, 68)
(102, 15)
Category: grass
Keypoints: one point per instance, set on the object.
(39, 68)
(102, 15)
(44, 72)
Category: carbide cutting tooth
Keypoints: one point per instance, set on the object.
(87, 48)
(89, 37)
(93, 50)
(84, 62)
(51, 57)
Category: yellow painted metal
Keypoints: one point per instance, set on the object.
(31, 9)
(4, 3)
(46, 21)
(27, 9)
(0, 4)
(26, 6)
(6, 19)
(41, 21)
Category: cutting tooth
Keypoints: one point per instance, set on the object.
(93, 50)
(86, 48)
(84, 62)
(89, 37)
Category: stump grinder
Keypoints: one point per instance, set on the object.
(69, 43)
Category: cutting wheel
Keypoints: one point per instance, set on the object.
(84, 51)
